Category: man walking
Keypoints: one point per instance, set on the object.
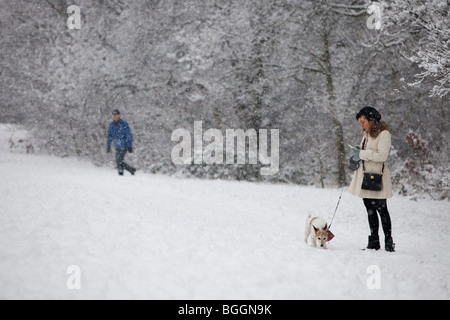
(119, 132)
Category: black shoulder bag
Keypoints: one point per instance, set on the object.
(372, 181)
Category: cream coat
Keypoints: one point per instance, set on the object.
(376, 152)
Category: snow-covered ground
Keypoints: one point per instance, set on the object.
(157, 237)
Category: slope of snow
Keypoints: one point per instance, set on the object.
(156, 237)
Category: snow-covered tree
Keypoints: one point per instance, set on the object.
(427, 22)
(304, 67)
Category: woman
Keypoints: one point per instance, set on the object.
(373, 153)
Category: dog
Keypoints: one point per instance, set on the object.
(317, 229)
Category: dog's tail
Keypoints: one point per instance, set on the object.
(307, 228)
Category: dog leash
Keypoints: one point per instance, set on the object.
(337, 206)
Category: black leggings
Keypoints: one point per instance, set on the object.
(378, 205)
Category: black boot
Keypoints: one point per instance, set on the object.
(374, 243)
(389, 244)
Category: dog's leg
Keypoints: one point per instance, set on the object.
(313, 239)
(307, 233)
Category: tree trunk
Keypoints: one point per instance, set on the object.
(338, 129)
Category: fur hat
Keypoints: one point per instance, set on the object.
(369, 113)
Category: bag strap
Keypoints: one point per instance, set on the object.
(363, 166)
(364, 148)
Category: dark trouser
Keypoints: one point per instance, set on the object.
(121, 165)
(378, 205)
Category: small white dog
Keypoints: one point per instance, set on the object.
(316, 228)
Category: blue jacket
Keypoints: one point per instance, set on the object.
(120, 134)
